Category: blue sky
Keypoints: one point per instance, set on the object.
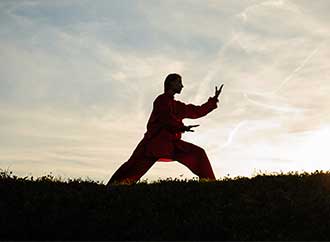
(78, 79)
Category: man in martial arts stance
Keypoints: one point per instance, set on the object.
(162, 141)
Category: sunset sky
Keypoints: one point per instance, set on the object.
(78, 78)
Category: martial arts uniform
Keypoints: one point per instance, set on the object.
(162, 141)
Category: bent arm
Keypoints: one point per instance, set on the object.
(196, 111)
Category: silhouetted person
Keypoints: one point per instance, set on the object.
(163, 136)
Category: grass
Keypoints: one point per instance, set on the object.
(292, 206)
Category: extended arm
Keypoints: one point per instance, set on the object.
(196, 111)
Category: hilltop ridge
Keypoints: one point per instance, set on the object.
(289, 206)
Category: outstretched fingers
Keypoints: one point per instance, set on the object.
(193, 126)
(221, 88)
(218, 91)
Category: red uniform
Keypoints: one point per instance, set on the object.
(163, 140)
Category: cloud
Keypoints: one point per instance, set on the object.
(78, 79)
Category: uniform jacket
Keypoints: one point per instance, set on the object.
(165, 124)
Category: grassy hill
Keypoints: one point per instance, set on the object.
(266, 207)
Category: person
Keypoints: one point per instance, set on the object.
(162, 140)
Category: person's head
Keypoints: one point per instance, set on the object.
(173, 82)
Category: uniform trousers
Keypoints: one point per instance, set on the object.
(190, 155)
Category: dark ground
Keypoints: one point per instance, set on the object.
(266, 207)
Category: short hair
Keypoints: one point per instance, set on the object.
(169, 79)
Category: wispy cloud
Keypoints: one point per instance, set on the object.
(78, 79)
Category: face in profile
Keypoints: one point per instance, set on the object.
(177, 86)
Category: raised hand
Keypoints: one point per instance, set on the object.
(218, 91)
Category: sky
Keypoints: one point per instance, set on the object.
(78, 78)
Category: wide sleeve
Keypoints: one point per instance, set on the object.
(165, 116)
(196, 111)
